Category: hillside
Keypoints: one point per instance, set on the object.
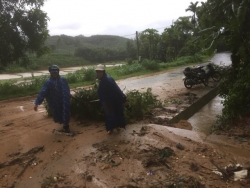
(64, 43)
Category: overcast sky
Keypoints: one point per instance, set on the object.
(112, 17)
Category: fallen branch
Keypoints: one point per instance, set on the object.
(26, 166)
(225, 174)
(21, 157)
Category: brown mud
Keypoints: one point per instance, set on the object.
(150, 153)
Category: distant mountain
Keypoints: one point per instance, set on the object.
(62, 43)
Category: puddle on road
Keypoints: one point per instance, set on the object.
(148, 82)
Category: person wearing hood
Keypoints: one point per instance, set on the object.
(57, 94)
(112, 99)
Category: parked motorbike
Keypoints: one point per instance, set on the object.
(200, 75)
(212, 73)
(194, 76)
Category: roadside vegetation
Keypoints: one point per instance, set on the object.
(84, 104)
(84, 77)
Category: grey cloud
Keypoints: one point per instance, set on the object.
(160, 25)
(129, 31)
(70, 26)
(120, 30)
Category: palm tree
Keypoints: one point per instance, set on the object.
(193, 8)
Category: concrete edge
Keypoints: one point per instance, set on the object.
(196, 106)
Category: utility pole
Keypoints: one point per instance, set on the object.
(137, 43)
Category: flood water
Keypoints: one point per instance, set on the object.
(206, 117)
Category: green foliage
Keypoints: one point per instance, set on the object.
(23, 29)
(137, 67)
(74, 77)
(190, 48)
(236, 95)
(174, 38)
(193, 8)
(149, 40)
(150, 65)
(106, 41)
(11, 88)
(94, 54)
(97, 48)
(140, 104)
(131, 50)
(85, 104)
(230, 21)
(197, 58)
(129, 69)
(89, 74)
(129, 61)
(85, 74)
(62, 60)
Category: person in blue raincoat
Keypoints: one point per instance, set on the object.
(112, 99)
(57, 94)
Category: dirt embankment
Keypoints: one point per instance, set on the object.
(146, 154)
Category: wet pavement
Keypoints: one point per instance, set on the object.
(205, 118)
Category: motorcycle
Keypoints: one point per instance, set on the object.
(199, 75)
(212, 73)
(194, 76)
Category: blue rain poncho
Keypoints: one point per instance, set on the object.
(57, 93)
(112, 98)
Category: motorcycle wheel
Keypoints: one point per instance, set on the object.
(188, 83)
(216, 76)
(205, 82)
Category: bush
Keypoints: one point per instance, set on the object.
(85, 104)
(11, 88)
(150, 65)
(73, 78)
(140, 104)
(129, 69)
(89, 74)
(235, 89)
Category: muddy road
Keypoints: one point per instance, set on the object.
(143, 155)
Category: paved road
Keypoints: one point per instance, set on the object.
(222, 59)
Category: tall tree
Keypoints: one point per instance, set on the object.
(149, 40)
(23, 28)
(232, 22)
(174, 38)
(193, 8)
(131, 49)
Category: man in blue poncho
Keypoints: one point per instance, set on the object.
(112, 99)
(57, 94)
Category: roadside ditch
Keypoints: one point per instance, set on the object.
(178, 109)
